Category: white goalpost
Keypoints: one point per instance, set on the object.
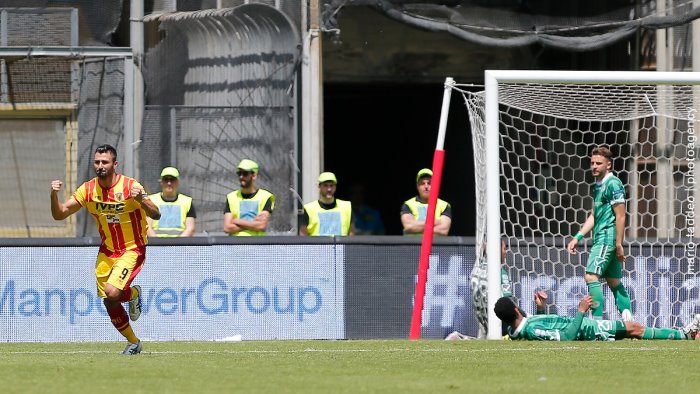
(533, 132)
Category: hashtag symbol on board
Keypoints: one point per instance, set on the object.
(444, 290)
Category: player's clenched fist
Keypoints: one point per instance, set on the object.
(137, 193)
(56, 185)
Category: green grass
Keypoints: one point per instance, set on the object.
(396, 366)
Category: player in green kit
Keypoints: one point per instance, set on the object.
(580, 328)
(607, 220)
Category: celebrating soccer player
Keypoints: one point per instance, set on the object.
(119, 205)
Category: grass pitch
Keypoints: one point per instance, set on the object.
(396, 366)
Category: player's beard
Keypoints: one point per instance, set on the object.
(102, 173)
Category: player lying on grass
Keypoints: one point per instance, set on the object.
(543, 327)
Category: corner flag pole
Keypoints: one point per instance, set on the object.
(427, 244)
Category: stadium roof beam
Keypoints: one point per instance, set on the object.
(64, 51)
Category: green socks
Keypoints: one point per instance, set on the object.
(662, 333)
(622, 299)
(595, 291)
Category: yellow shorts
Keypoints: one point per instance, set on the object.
(117, 269)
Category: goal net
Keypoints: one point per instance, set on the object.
(532, 136)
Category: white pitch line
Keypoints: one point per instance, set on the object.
(262, 351)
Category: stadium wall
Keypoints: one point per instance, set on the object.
(278, 287)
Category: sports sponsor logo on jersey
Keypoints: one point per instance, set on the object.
(618, 195)
(109, 208)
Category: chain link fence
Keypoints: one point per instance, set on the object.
(220, 86)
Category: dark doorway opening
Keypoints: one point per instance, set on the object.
(381, 135)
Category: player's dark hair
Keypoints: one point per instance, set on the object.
(505, 309)
(602, 151)
(107, 148)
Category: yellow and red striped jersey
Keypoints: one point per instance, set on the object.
(120, 219)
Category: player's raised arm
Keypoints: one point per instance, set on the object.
(571, 332)
(60, 210)
(541, 302)
(151, 208)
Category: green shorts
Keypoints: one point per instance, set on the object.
(601, 330)
(603, 262)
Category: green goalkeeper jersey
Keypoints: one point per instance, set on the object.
(560, 328)
(606, 194)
